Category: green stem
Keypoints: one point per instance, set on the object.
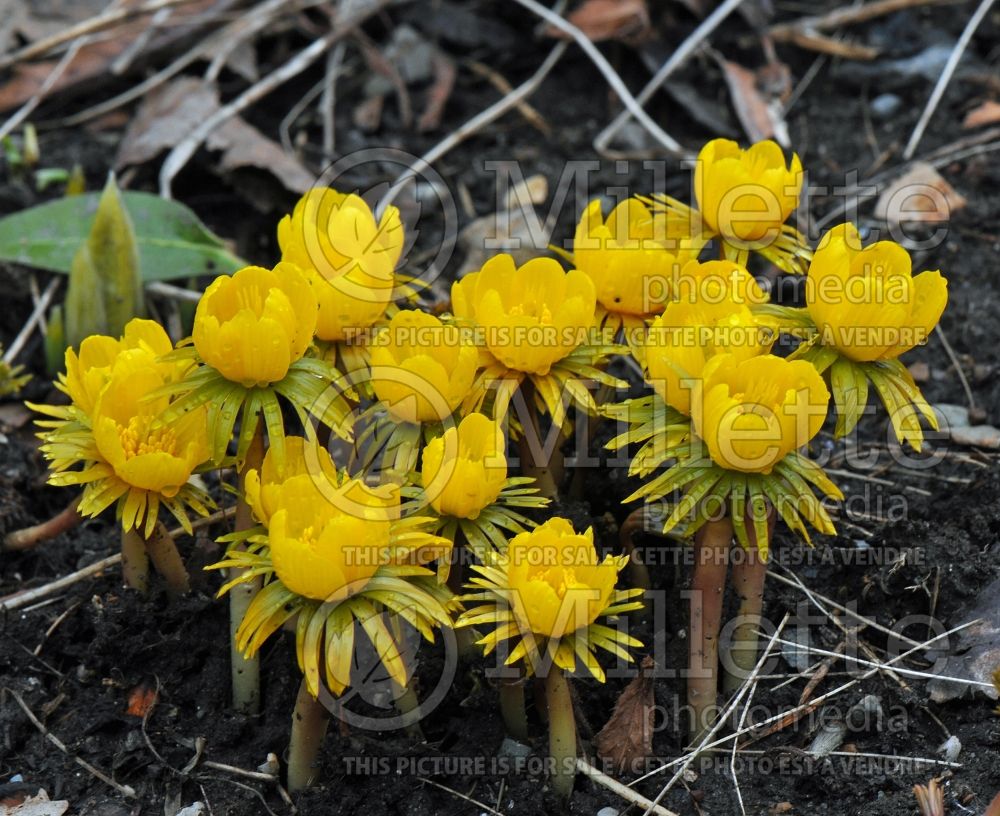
(708, 584)
(515, 718)
(562, 732)
(543, 472)
(163, 553)
(245, 671)
(309, 723)
(749, 574)
(135, 562)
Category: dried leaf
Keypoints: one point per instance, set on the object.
(94, 59)
(626, 20)
(921, 195)
(759, 112)
(627, 737)
(985, 114)
(167, 116)
(994, 807)
(105, 287)
(977, 654)
(37, 805)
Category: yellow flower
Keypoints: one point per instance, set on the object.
(349, 258)
(865, 302)
(422, 369)
(710, 315)
(532, 316)
(746, 195)
(556, 581)
(252, 326)
(88, 372)
(143, 451)
(632, 256)
(464, 470)
(752, 413)
(302, 457)
(327, 545)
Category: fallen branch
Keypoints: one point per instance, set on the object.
(29, 596)
(623, 791)
(125, 790)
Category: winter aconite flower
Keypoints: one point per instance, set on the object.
(252, 326)
(532, 316)
(548, 591)
(302, 457)
(251, 334)
(114, 438)
(744, 197)
(715, 317)
(865, 302)
(349, 257)
(421, 368)
(535, 322)
(338, 552)
(465, 468)
(88, 372)
(631, 258)
(753, 412)
(328, 548)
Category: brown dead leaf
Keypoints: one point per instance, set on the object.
(625, 20)
(778, 809)
(756, 98)
(94, 59)
(994, 808)
(986, 114)
(921, 195)
(173, 111)
(627, 737)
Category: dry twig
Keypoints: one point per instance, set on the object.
(125, 790)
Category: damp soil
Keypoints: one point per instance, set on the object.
(85, 658)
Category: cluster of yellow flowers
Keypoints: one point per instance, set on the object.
(424, 402)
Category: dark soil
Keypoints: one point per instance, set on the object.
(78, 658)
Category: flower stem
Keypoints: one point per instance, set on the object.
(135, 561)
(245, 671)
(28, 537)
(543, 472)
(638, 573)
(562, 731)
(749, 573)
(309, 722)
(163, 553)
(515, 718)
(708, 583)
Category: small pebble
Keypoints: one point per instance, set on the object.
(608, 811)
(885, 105)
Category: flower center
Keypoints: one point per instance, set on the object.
(539, 311)
(138, 438)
